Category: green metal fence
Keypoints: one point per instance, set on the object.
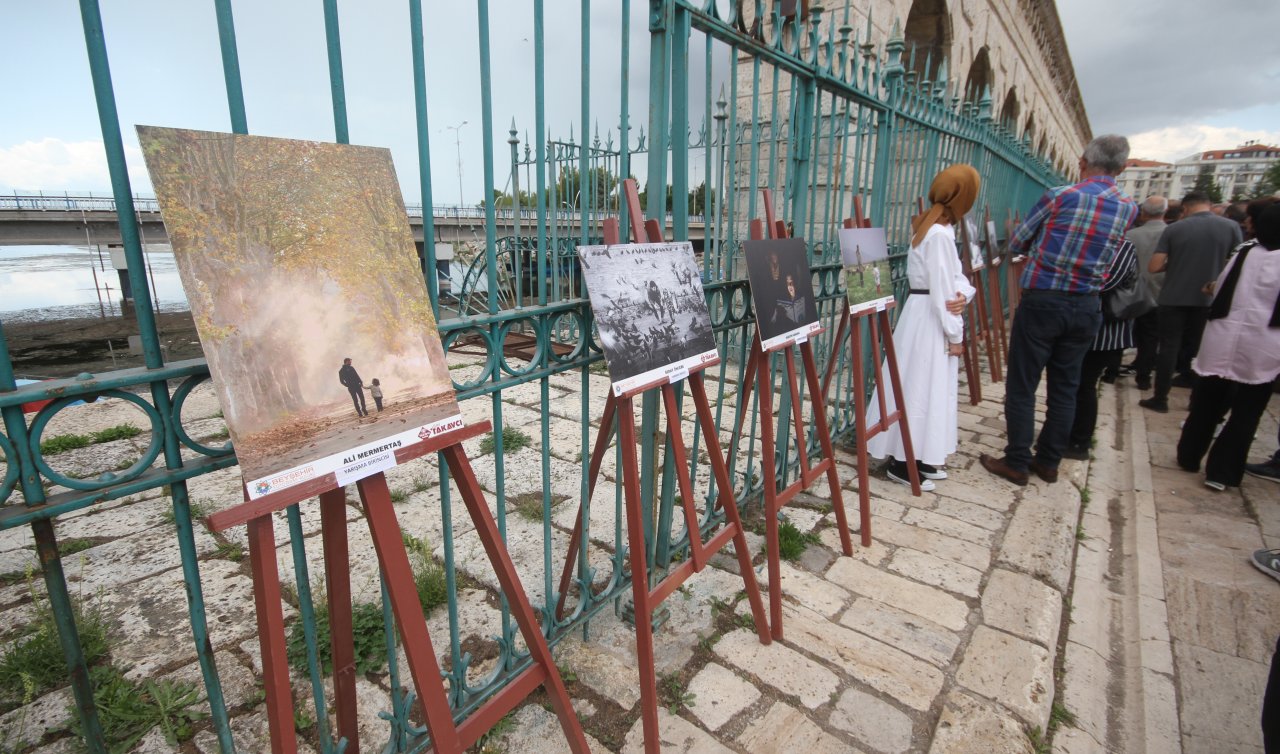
(807, 107)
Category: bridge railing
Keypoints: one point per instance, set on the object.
(87, 202)
(817, 115)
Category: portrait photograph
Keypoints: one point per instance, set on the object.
(309, 300)
(650, 311)
(781, 289)
(865, 254)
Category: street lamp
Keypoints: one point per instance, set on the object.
(457, 143)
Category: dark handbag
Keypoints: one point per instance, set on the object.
(1129, 300)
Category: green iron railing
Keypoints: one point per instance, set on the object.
(802, 107)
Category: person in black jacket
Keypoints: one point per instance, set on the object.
(355, 386)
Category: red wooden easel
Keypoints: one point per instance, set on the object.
(984, 312)
(995, 305)
(1013, 272)
(877, 322)
(618, 412)
(394, 562)
(758, 373)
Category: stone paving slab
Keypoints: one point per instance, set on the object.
(939, 637)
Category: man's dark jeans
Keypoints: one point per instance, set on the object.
(1146, 336)
(1051, 331)
(1181, 328)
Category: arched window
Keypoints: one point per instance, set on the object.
(979, 77)
(1009, 112)
(928, 36)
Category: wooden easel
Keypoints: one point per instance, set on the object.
(1013, 271)
(446, 736)
(619, 414)
(757, 372)
(996, 305)
(981, 316)
(878, 320)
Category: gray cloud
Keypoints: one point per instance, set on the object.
(1147, 65)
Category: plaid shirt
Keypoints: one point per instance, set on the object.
(1071, 235)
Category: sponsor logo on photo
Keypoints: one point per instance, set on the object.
(263, 488)
(433, 430)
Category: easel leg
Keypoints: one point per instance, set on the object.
(337, 571)
(767, 453)
(575, 539)
(505, 570)
(275, 671)
(418, 649)
(824, 440)
(860, 426)
(639, 580)
(891, 357)
(727, 501)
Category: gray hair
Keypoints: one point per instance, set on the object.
(1155, 205)
(1107, 153)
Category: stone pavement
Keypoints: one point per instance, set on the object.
(983, 617)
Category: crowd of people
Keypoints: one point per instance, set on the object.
(1194, 288)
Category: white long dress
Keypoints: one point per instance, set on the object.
(929, 375)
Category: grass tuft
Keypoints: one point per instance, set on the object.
(513, 439)
(35, 664)
(792, 542)
(128, 710)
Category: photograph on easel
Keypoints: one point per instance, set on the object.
(781, 290)
(865, 254)
(649, 309)
(308, 297)
(977, 259)
(993, 243)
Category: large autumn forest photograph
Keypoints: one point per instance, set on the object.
(306, 289)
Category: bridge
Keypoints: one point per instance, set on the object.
(66, 220)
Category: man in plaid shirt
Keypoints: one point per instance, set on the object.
(1070, 235)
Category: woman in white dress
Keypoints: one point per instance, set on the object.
(929, 336)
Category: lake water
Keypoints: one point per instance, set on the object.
(61, 282)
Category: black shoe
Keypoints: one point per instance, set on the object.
(1183, 380)
(1110, 379)
(897, 472)
(1159, 405)
(1127, 370)
(930, 472)
(1266, 470)
(1143, 383)
(1076, 452)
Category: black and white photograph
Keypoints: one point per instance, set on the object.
(977, 259)
(993, 243)
(865, 254)
(650, 311)
(781, 290)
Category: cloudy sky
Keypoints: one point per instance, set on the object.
(1176, 77)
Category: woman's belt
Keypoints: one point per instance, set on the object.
(918, 292)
